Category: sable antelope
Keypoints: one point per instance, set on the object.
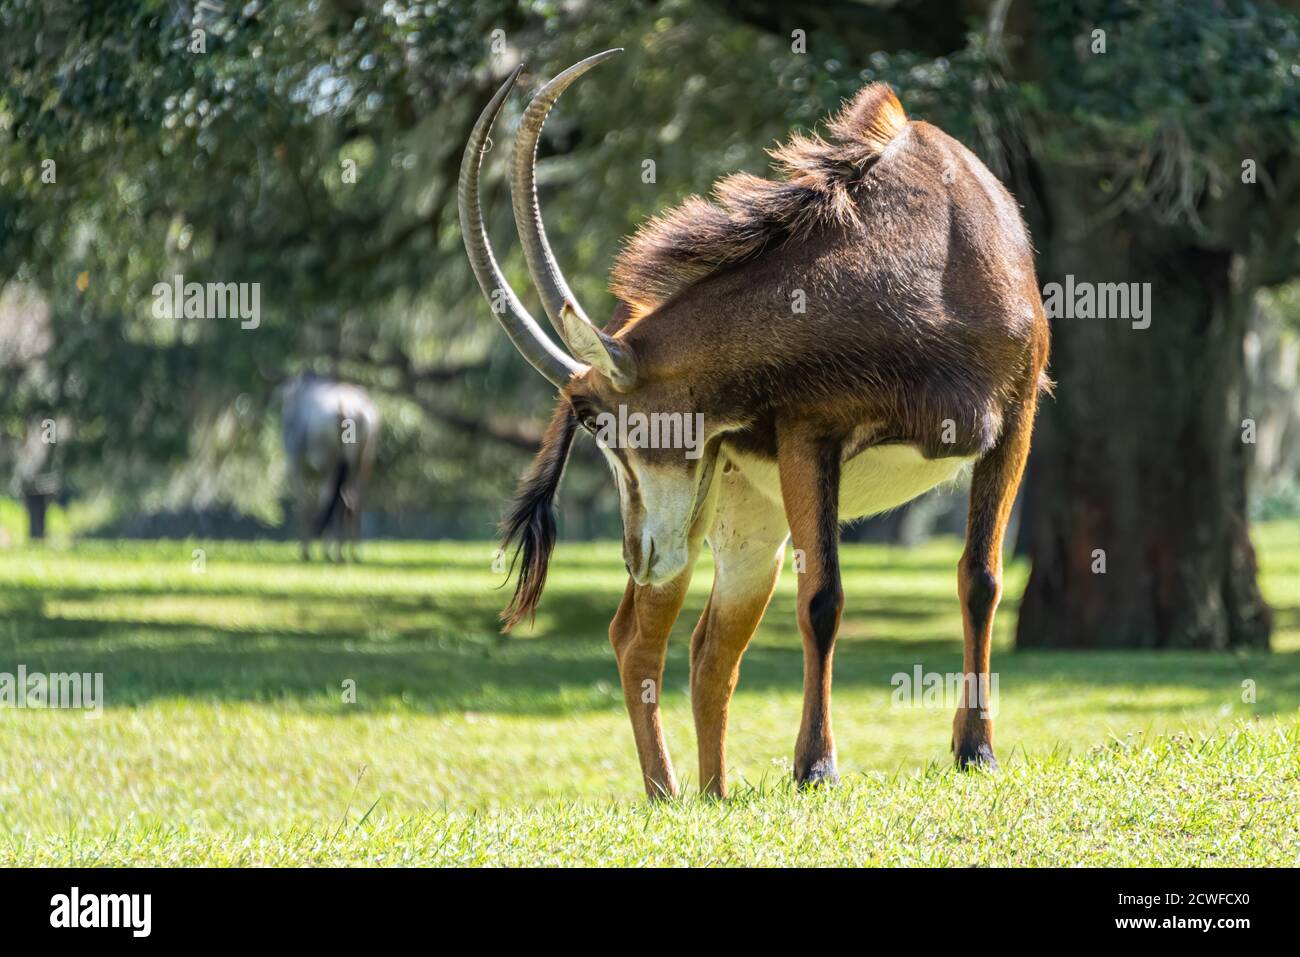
(330, 430)
(920, 350)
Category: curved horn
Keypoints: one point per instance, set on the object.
(542, 266)
(544, 355)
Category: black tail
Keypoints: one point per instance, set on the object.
(336, 499)
(531, 519)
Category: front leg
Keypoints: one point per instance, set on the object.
(809, 464)
(748, 544)
(639, 634)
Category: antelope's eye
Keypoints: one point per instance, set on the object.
(586, 414)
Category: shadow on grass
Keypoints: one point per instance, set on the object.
(432, 655)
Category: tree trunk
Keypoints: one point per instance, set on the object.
(1140, 537)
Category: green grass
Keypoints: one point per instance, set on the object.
(226, 737)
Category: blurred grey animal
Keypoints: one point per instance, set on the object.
(330, 430)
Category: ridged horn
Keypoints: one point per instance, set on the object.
(535, 346)
(547, 277)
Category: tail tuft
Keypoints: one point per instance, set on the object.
(531, 519)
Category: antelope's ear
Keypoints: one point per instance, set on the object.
(597, 349)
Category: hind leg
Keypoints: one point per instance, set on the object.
(979, 581)
(809, 465)
(334, 534)
(367, 462)
(339, 524)
(354, 532)
(352, 518)
(306, 515)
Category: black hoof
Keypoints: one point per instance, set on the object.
(821, 774)
(976, 756)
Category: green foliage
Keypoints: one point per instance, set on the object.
(1223, 73)
(229, 165)
(236, 164)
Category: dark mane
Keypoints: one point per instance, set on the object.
(699, 237)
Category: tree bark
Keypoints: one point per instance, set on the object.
(1140, 537)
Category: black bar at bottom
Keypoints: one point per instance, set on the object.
(527, 907)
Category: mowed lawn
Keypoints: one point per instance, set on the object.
(228, 737)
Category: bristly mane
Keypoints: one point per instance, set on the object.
(748, 213)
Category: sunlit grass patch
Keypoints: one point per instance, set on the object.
(229, 734)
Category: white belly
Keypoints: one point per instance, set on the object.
(876, 480)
